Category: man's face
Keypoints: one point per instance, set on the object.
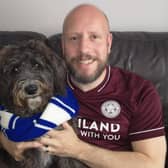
(86, 46)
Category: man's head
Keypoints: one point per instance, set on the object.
(86, 43)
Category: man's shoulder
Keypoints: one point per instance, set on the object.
(127, 75)
(129, 80)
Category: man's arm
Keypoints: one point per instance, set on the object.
(149, 153)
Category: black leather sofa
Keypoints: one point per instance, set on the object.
(145, 53)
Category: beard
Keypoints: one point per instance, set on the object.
(82, 78)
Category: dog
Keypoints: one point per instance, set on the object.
(31, 73)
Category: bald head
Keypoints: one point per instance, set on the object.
(85, 12)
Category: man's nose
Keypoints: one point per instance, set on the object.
(84, 45)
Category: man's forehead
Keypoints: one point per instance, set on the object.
(86, 26)
(84, 17)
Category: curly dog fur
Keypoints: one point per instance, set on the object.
(30, 74)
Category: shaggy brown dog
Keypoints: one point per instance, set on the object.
(30, 74)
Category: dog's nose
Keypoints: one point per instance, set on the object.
(31, 89)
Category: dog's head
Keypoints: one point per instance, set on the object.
(30, 74)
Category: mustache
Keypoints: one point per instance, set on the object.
(84, 57)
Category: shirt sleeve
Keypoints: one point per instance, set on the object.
(147, 121)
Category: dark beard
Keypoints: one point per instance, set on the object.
(83, 79)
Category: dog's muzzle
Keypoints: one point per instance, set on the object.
(29, 92)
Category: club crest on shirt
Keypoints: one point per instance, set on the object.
(110, 109)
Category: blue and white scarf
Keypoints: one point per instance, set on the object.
(58, 110)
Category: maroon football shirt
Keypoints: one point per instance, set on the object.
(122, 109)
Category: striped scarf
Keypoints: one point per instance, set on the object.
(58, 110)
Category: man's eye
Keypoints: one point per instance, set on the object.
(94, 36)
(73, 38)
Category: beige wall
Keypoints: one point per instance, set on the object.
(46, 16)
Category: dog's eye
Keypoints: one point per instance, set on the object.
(15, 70)
(36, 65)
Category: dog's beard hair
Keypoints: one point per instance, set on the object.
(34, 102)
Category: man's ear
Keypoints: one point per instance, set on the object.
(109, 42)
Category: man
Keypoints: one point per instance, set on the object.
(119, 111)
(120, 121)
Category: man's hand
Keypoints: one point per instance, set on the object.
(16, 149)
(149, 153)
(61, 142)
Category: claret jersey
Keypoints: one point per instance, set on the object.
(122, 109)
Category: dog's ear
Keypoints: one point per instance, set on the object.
(58, 65)
(5, 52)
(61, 70)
